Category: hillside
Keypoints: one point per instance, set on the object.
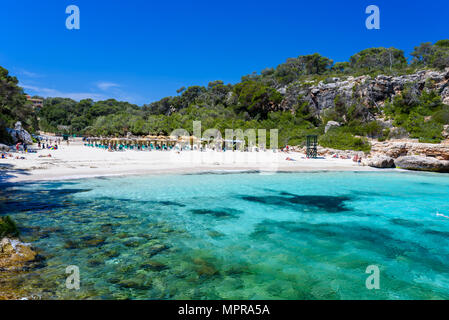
(376, 94)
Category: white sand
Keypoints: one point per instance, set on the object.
(77, 161)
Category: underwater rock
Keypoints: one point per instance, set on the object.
(205, 268)
(111, 253)
(69, 244)
(146, 236)
(15, 255)
(154, 266)
(219, 213)
(238, 270)
(94, 262)
(133, 243)
(215, 234)
(158, 248)
(167, 230)
(95, 242)
(107, 228)
(135, 284)
(122, 235)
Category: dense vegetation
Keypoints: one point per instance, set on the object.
(422, 116)
(256, 102)
(14, 106)
(8, 227)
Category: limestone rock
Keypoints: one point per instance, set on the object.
(15, 255)
(365, 90)
(19, 134)
(330, 125)
(381, 162)
(399, 149)
(4, 147)
(446, 131)
(422, 164)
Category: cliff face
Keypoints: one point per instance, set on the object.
(400, 149)
(365, 90)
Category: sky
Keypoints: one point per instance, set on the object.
(143, 50)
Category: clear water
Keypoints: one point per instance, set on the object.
(237, 236)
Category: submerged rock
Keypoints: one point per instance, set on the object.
(93, 242)
(156, 249)
(422, 164)
(154, 266)
(69, 244)
(138, 284)
(205, 268)
(215, 234)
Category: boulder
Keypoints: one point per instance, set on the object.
(422, 164)
(330, 125)
(446, 131)
(4, 147)
(15, 255)
(19, 134)
(381, 162)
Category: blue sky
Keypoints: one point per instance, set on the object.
(143, 50)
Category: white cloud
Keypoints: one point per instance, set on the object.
(48, 92)
(28, 74)
(107, 85)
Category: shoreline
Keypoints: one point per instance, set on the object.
(79, 162)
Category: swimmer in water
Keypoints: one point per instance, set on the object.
(442, 215)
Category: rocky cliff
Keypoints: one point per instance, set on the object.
(399, 149)
(368, 91)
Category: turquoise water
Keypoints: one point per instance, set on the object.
(238, 236)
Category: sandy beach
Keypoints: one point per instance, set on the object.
(77, 161)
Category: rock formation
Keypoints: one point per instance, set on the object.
(380, 162)
(19, 134)
(365, 90)
(446, 131)
(4, 147)
(422, 164)
(15, 255)
(398, 149)
(330, 125)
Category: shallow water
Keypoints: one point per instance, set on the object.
(237, 236)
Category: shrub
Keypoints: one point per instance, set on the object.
(428, 132)
(8, 227)
(442, 116)
(340, 139)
